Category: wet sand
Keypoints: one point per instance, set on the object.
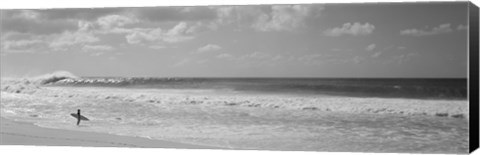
(21, 133)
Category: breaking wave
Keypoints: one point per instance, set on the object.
(30, 85)
(53, 77)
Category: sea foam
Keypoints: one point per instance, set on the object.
(439, 108)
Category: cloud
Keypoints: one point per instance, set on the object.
(25, 14)
(310, 59)
(462, 27)
(51, 20)
(175, 14)
(401, 48)
(25, 42)
(278, 58)
(209, 48)
(157, 47)
(68, 39)
(111, 21)
(182, 62)
(370, 47)
(26, 21)
(224, 56)
(404, 57)
(78, 13)
(97, 48)
(138, 36)
(198, 18)
(355, 29)
(261, 59)
(376, 54)
(285, 17)
(358, 59)
(110, 24)
(257, 55)
(20, 46)
(267, 17)
(178, 33)
(201, 61)
(441, 29)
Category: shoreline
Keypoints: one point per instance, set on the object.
(24, 133)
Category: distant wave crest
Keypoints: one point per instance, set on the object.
(390, 88)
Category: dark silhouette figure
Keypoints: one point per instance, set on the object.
(78, 117)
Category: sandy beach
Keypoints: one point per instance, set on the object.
(22, 133)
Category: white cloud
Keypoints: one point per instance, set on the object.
(157, 47)
(278, 58)
(370, 47)
(226, 14)
(224, 56)
(209, 48)
(20, 46)
(138, 36)
(51, 42)
(284, 17)
(201, 61)
(309, 58)
(97, 48)
(20, 43)
(68, 39)
(182, 62)
(85, 25)
(110, 21)
(178, 29)
(110, 24)
(351, 29)
(404, 57)
(462, 27)
(441, 29)
(178, 33)
(257, 55)
(376, 55)
(267, 18)
(401, 47)
(27, 14)
(358, 59)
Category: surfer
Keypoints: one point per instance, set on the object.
(78, 117)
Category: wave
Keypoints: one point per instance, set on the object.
(149, 98)
(53, 77)
(30, 85)
(390, 88)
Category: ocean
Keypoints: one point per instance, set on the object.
(358, 87)
(295, 114)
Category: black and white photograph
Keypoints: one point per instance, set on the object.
(385, 77)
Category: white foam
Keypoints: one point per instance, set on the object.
(442, 108)
(242, 121)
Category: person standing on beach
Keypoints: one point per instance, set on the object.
(78, 117)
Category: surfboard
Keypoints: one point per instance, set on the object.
(81, 117)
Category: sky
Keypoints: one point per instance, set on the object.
(394, 40)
